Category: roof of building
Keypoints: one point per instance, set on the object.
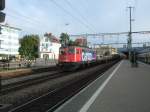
(52, 38)
(8, 26)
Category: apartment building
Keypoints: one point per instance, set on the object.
(9, 41)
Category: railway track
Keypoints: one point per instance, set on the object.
(26, 81)
(52, 99)
(34, 71)
(20, 82)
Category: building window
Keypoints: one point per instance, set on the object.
(1, 44)
(46, 39)
(46, 45)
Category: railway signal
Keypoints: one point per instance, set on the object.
(2, 4)
(2, 15)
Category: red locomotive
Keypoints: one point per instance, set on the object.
(72, 57)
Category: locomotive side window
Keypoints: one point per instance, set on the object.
(71, 51)
(78, 52)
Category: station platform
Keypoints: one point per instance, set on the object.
(121, 89)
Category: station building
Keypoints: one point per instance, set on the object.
(9, 42)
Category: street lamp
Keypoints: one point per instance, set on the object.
(67, 24)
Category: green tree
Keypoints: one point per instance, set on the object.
(64, 39)
(71, 42)
(29, 46)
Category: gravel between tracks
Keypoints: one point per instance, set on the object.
(17, 79)
(29, 93)
(25, 72)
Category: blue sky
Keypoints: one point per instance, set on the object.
(77, 16)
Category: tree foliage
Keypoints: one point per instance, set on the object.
(64, 39)
(73, 43)
(29, 46)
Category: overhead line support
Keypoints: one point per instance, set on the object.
(130, 33)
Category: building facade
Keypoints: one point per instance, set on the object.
(105, 50)
(9, 41)
(49, 47)
(81, 41)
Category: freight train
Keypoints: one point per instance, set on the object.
(74, 57)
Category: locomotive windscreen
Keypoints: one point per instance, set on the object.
(62, 51)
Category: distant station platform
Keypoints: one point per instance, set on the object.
(121, 89)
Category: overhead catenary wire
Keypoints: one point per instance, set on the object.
(25, 28)
(70, 14)
(22, 15)
(22, 18)
(30, 27)
(81, 15)
(26, 18)
(33, 24)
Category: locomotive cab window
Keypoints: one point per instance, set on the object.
(62, 51)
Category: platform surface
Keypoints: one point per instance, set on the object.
(121, 89)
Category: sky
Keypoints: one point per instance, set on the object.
(77, 16)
